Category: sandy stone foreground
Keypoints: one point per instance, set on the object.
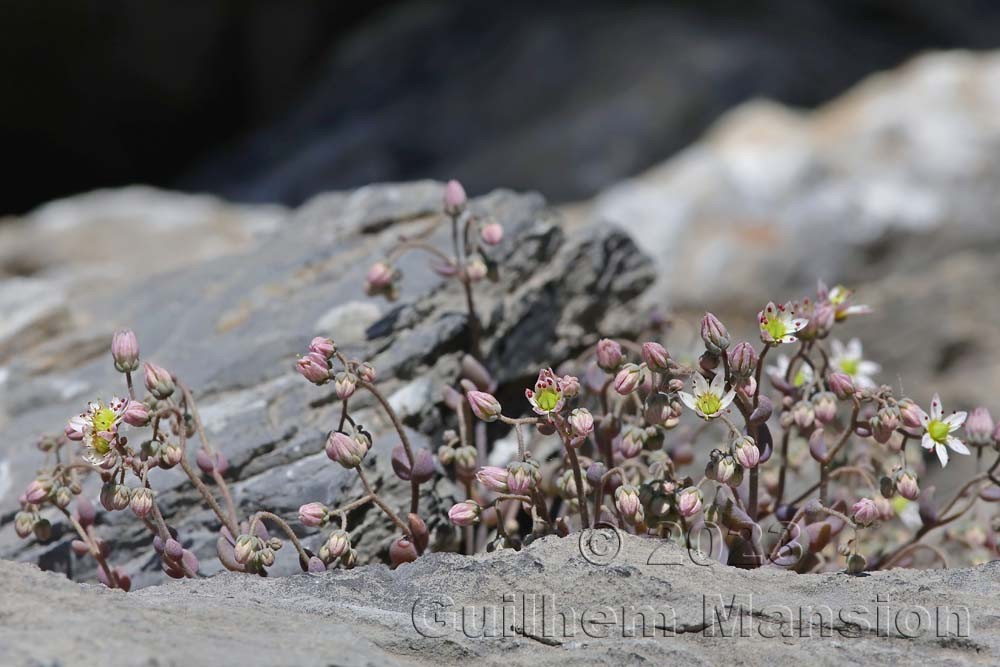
(547, 604)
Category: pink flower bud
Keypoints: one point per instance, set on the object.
(85, 512)
(979, 427)
(345, 450)
(125, 351)
(158, 380)
(345, 384)
(485, 406)
(746, 453)
(742, 360)
(313, 515)
(803, 414)
(314, 367)
(136, 414)
(910, 413)
(628, 379)
(38, 490)
(825, 407)
(609, 355)
(841, 385)
(170, 455)
(476, 269)
(454, 198)
(367, 372)
(865, 511)
(582, 422)
(884, 508)
(339, 543)
(906, 485)
(494, 478)
(725, 469)
(464, 513)
(627, 502)
(492, 233)
(323, 346)
(246, 546)
(24, 524)
(380, 275)
(689, 502)
(521, 477)
(655, 356)
(570, 385)
(714, 334)
(141, 502)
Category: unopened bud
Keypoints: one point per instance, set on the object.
(345, 450)
(464, 513)
(742, 360)
(494, 478)
(689, 502)
(582, 422)
(746, 453)
(627, 502)
(345, 384)
(313, 515)
(655, 356)
(485, 406)
(628, 379)
(454, 198)
(979, 427)
(323, 346)
(125, 351)
(492, 233)
(865, 512)
(158, 380)
(906, 485)
(609, 355)
(841, 385)
(714, 334)
(141, 502)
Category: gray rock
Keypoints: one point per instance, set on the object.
(230, 325)
(650, 604)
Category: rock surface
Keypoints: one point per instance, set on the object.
(231, 324)
(432, 612)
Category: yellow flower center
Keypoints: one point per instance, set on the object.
(850, 366)
(104, 419)
(709, 404)
(101, 446)
(775, 328)
(938, 431)
(838, 295)
(800, 378)
(547, 399)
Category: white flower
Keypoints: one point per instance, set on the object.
(850, 360)
(778, 324)
(708, 401)
(803, 374)
(840, 298)
(938, 431)
(98, 427)
(548, 394)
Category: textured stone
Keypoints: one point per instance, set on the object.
(432, 611)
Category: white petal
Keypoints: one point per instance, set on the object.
(837, 349)
(857, 310)
(955, 420)
(925, 418)
(927, 442)
(936, 409)
(687, 399)
(788, 339)
(726, 400)
(854, 348)
(799, 323)
(700, 384)
(957, 445)
(718, 384)
(942, 453)
(868, 368)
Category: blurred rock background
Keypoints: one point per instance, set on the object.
(747, 152)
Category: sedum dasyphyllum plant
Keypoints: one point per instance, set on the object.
(625, 454)
(611, 439)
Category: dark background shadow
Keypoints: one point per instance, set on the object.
(273, 101)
